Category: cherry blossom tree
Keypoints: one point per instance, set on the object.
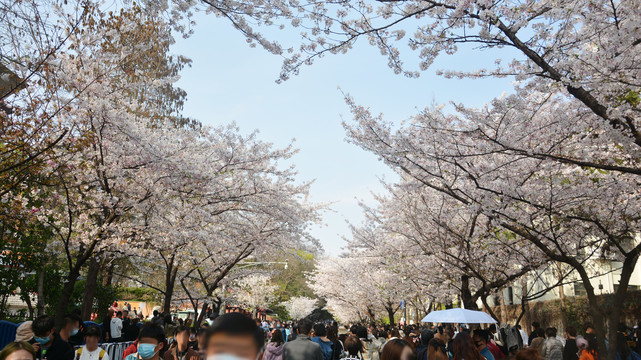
(28, 131)
(127, 176)
(255, 291)
(112, 164)
(566, 212)
(300, 307)
(345, 312)
(456, 246)
(362, 282)
(547, 163)
(245, 206)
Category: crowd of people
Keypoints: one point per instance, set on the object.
(328, 341)
(236, 336)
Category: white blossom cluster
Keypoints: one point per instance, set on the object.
(300, 307)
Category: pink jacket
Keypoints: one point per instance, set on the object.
(273, 352)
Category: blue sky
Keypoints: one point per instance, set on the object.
(231, 82)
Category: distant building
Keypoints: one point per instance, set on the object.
(605, 276)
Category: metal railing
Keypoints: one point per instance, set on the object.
(115, 350)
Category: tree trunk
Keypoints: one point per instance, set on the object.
(503, 307)
(564, 316)
(170, 282)
(371, 314)
(489, 309)
(65, 297)
(466, 295)
(90, 289)
(199, 319)
(3, 306)
(619, 298)
(40, 305)
(216, 304)
(595, 310)
(390, 314)
(29, 306)
(109, 275)
(525, 305)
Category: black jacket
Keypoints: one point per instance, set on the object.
(570, 350)
(58, 350)
(131, 333)
(421, 352)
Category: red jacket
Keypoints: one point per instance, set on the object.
(130, 350)
(498, 354)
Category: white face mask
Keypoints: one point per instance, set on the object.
(228, 357)
(224, 357)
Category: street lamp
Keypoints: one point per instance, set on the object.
(250, 264)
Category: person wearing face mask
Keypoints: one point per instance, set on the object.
(70, 327)
(180, 349)
(91, 350)
(50, 345)
(78, 339)
(151, 340)
(234, 336)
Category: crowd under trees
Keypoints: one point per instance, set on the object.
(98, 164)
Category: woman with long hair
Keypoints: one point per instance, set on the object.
(410, 337)
(397, 349)
(436, 350)
(463, 348)
(337, 347)
(274, 350)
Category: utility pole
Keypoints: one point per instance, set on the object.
(405, 314)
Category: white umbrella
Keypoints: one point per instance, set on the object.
(458, 316)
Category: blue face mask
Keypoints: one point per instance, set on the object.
(42, 340)
(74, 332)
(146, 351)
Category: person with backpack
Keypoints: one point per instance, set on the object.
(321, 339)
(91, 350)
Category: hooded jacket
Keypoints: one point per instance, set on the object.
(273, 352)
